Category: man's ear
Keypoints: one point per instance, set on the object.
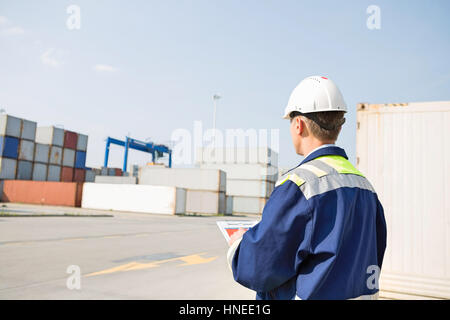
(300, 125)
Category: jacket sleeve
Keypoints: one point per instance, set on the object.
(381, 233)
(269, 253)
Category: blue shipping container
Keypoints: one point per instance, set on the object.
(80, 160)
(9, 147)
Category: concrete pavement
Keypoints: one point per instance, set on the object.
(127, 256)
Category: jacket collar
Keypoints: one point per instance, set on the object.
(326, 151)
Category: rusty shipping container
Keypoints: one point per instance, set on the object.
(66, 174)
(79, 175)
(70, 140)
(42, 192)
(55, 155)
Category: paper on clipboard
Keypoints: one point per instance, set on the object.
(231, 226)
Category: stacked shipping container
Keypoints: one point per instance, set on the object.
(16, 147)
(251, 174)
(205, 188)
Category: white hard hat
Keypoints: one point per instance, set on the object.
(315, 94)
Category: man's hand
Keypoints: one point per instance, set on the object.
(235, 236)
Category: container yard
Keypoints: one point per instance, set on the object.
(225, 150)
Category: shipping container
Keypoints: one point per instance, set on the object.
(9, 147)
(8, 168)
(42, 192)
(70, 139)
(118, 172)
(66, 174)
(10, 126)
(50, 135)
(26, 150)
(205, 202)
(24, 170)
(187, 178)
(253, 205)
(79, 175)
(41, 153)
(54, 173)
(403, 150)
(56, 154)
(90, 175)
(40, 171)
(245, 171)
(104, 171)
(262, 155)
(28, 130)
(68, 158)
(115, 180)
(82, 142)
(250, 188)
(229, 205)
(80, 160)
(134, 198)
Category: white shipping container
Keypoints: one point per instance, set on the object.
(115, 179)
(8, 168)
(135, 198)
(10, 126)
(28, 130)
(250, 188)
(68, 158)
(50, 135)
(252, 205)
(41, 153)
(55, 155)
(206, 202)
(39, 171)
(54, 173)
(82, 142)
(261, 155)
(187, 178)
(26, 150)
(404, 151)
(245, 171)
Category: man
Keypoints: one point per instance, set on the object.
(323, 233)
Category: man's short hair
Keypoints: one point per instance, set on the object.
(325, 125)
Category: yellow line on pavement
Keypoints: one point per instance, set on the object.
(188, 260)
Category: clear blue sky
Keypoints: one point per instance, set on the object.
(161, 62)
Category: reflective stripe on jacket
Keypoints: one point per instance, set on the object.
(321, 234)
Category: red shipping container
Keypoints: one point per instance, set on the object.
(43, 192)
(70, 139)
(79, 175)
(118, 172)
(66, 174)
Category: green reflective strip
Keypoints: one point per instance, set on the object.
(319, 173)
(340, 164)
(292, 177)
(296, 179)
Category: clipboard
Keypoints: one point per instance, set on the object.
(228, 227)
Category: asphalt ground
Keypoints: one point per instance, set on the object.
(72, 253)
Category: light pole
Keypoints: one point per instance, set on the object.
(215, 97)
